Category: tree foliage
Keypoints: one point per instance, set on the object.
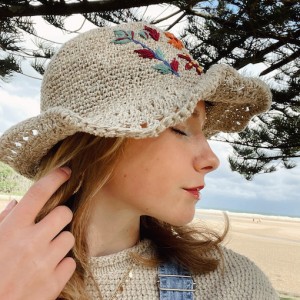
(11, 182)
(264, 33)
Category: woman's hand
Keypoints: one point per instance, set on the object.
(33, 265)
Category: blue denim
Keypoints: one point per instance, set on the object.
(175, 282)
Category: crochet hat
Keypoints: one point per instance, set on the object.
(132, 80)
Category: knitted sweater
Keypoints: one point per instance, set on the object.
(242, 279)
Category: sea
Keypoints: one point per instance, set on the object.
(255, 215)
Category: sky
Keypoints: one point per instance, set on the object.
(272, 194)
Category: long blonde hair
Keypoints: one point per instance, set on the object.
(92, 161)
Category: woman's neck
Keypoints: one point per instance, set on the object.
(112, 228)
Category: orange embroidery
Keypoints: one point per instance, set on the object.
(191, 63)
(174, 41)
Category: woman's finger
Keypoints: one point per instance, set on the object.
(54, 222)
(59, 248)
(37, 195)
(63, 273)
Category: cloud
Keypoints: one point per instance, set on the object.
(21, 85)
(15, 108)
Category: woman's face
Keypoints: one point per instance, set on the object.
(154, 173)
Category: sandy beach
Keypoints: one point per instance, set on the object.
(273, 243)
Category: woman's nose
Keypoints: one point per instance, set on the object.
(205, 160)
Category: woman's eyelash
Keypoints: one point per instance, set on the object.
(177, 131)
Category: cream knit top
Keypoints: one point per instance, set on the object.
(242, 279)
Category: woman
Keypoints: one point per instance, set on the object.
(121, 142)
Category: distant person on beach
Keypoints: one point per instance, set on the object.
(118, 155)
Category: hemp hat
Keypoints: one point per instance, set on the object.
(131, 80)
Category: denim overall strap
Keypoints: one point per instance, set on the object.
(175, 282)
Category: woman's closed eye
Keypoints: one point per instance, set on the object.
(177, 131)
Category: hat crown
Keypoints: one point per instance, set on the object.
(112, 67)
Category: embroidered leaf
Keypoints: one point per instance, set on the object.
(184, 56)
(120, 33)
(199, 70)
(169, 35)
(121, 41)
(144, 34)
(188, 66)
(174, 41)
(191, 64)
(162, 68)
(174, 64)
(145, 53)
(130, 33)
(153, 33)
(159, 54)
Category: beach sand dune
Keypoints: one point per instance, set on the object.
(272, 243)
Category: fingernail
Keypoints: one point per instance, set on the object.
(11, 204)
(67, 170)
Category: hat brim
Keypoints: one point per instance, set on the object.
(233, 100)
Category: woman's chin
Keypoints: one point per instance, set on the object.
(182, 218)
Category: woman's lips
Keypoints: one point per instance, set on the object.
(195, 191)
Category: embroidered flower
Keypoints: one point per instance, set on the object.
(167, 68)
(164, 67)
(153, 33)
(191, 63)
(174, 41)
(124, 37)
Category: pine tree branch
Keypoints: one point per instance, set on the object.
(228, 50)
(281, 63)
(203, 15)
(280, 146)
(176, 21)
(33, 77)
(262, 120)
(269, 158)
(43, 38)
(20, 55)
(167, 17)
(246, 27)
(61, 8)
(257, 56)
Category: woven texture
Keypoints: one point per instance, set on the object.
(242, 278)
(132, 80)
